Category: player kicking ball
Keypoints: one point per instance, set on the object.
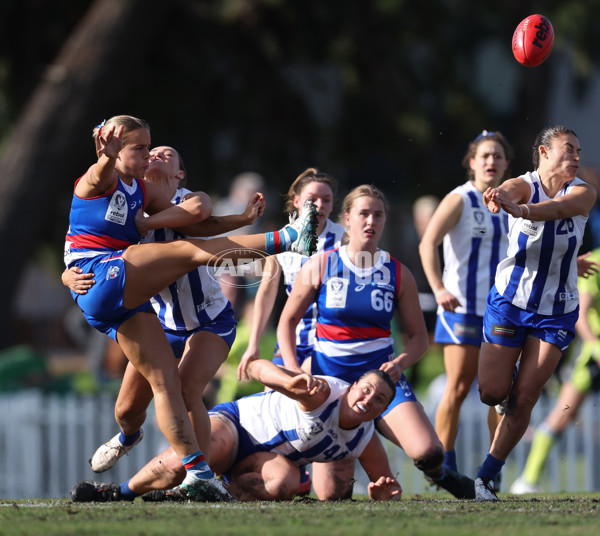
(260, 442)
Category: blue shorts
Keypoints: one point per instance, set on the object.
(102, 306)
(224, 325)
(508, 325)
(303, 352)
(458, 328)
(231, 411)
(404, 393)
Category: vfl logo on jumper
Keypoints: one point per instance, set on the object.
(337, 292)
(306, 434)
(113, 272)
(479, 223)
(117, 209)
(498, 330)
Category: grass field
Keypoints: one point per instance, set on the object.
(430, 513)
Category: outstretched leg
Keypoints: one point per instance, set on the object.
(151, 267)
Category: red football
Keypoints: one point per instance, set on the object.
(532, 40)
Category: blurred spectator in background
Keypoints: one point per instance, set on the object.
(243, 187)
(240, 288)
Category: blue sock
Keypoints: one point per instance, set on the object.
(126, 493)
(279, 241)
(450, 459)
(127, 440)
(490, 468)
(197, 463)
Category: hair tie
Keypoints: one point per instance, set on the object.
(99, 127)
(485, 134)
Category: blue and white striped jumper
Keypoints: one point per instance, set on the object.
(472, 250)
(196, 298)
(272, 422)
(539, 274)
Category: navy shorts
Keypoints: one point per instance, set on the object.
(231, 411)
(224, 325)
(508, 325)
(302, 354)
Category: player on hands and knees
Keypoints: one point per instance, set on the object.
(261, 441)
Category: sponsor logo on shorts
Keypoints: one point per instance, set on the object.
(466, 330)
(113, 272)
(562, 333)
(498, 330)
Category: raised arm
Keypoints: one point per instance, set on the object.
(101, 176)
(263, 305)
(444, 219)
(304, 292)
(383, 486)
(578, 202)
(512, 196)
(308, 391)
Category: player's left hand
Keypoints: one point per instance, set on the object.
(111, 143)
(77, 281)
(255, 207)
(306, 384)
(394, 370)
(140, 222)
(490, 200)
(385, 489)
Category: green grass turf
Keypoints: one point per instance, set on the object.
(430, 513)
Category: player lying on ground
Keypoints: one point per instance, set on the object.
(258, 443)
